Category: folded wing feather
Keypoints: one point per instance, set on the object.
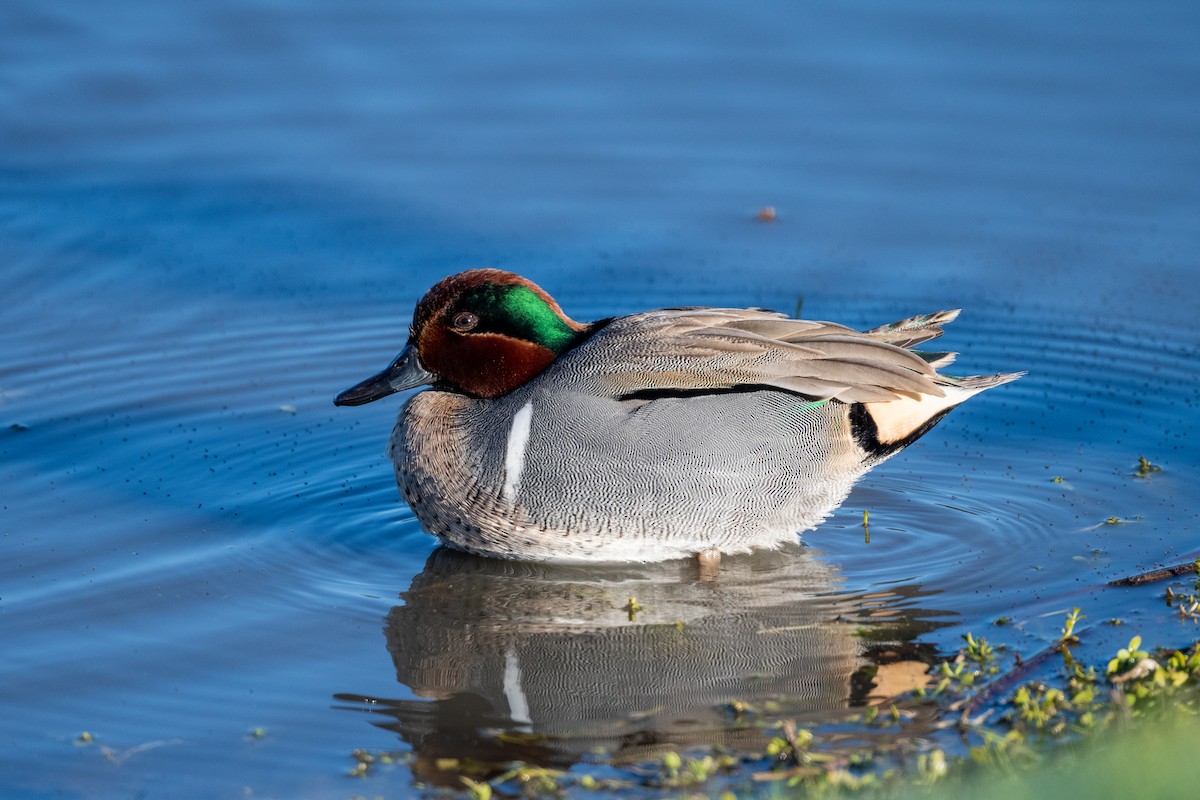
(698, 349)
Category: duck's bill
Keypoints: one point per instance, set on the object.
(405, 372)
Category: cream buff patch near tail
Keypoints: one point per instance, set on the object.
(899, 419)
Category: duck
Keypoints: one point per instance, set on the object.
(664, 434)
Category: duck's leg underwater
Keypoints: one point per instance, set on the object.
(709, 562)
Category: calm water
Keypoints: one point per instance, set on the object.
(213, 217)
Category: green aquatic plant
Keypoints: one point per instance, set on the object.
(1068, 629)
(791, 745)
(632, 608)
(932, 766)
(1145, 468)
(1129, 662)
(533, 781)
(959, 675)
(1001, 752)
(671, 764)
(1041, 707)
(593, 784)
(979, 651)
(477, 790)
(698, 770)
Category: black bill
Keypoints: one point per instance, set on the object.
(405, 372)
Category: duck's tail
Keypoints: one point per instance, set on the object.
(886, 427)
(974, 384)
(914, 330)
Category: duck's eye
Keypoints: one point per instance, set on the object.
(465, 321)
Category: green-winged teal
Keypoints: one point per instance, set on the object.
(644, 437)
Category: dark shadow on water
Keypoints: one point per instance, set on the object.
(549, 665)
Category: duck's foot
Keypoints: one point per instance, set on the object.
(710, 564)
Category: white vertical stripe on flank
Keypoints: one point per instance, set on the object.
(514, 456)
(518, 709)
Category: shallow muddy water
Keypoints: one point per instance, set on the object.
(214, 219)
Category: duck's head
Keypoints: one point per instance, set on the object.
(483, 332)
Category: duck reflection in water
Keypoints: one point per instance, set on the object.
(551, 664)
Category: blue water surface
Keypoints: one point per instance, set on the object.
(214, 217)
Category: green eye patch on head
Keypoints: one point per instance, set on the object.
(516, 311)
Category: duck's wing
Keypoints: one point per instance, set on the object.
(713, 349)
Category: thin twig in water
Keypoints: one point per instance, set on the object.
(1154, 575)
